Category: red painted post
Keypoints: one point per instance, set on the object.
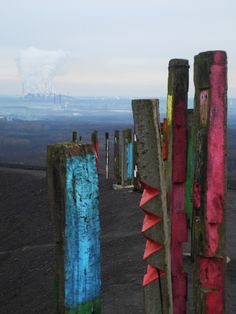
(176, 176)
(210, 114)
(94, 140)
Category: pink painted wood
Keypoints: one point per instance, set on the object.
(211, 266)
(179, 219)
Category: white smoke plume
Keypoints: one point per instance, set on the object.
(37, 69)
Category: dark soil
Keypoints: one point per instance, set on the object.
(27, 249)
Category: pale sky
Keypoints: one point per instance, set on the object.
(116, 47)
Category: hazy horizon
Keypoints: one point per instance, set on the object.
(117, 48)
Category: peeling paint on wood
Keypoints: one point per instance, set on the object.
(73, 200)
(176, 175)
(210, 112)
(127, 158)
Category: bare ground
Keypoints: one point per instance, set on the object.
(27, 248)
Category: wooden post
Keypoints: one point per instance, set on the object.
(136, 182)
(165, 145)
(107, 155)
(94, 140)
(189, 178)
(74, 136)
(210, 114)
(127, 158)
(157, 280)
(73, 202)
(117, 157)
(176, 175)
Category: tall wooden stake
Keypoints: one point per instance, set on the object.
(136, 182)
(73, 201)
(210, 113)
(176, 175)
(189, 178)
(117, 157)
(94, 140)
(127, 158)
(107, 155)
(157, 280)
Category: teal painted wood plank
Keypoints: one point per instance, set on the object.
(129, 154)
(82, 233)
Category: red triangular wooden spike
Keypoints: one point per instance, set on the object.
(151, 247)
(151, 275)
(148, 193)
(150, 220)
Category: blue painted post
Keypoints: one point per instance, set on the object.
(73, 201)
(127, 158)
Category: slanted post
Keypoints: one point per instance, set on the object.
(176, 175)
(210, 114)
(127, 158)
(117, 156)
(73, 202)
(107, 155)
(157, 280)
(94, 140)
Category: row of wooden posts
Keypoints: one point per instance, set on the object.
(181, 169)
(124, 158)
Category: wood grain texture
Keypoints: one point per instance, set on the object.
(176, 175)
(189, 177)
(73, 200)
(157, 280)
(210, 112)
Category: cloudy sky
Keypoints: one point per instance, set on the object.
(115, 47)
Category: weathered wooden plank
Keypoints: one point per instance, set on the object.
(107, 155)
(189, 178)
(210, 114)
(127, 158)
(74, 136)
(73, 201)
(176, 175)
(157, 280)
(136, 181)
(94, 140)
(117, 156)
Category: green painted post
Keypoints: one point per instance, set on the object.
(73, 202)
(209, 192)
(189, 178)
(157, 280)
